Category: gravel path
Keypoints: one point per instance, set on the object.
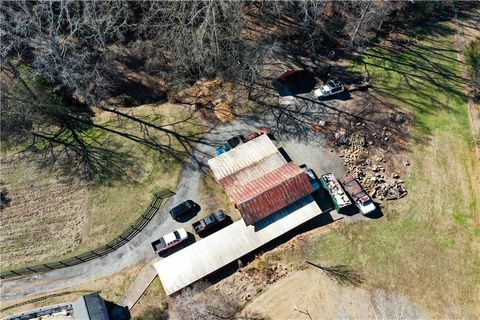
(306, 147)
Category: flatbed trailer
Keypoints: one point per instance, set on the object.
(338, 195)
(358, 194)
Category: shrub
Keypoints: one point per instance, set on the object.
(472, 60)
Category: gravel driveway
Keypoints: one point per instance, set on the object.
(305, 148)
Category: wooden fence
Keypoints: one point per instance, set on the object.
(113, 245)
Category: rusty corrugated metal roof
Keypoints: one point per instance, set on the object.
(270, 193)
(258, 179)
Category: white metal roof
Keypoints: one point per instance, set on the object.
(205, 256)
(243, 156)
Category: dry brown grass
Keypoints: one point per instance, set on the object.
(52, 216)
(111, 288)
(46, 216)
(154, 297)
(224, 112)
(426, 246)
(214, 198)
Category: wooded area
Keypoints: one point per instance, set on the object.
(61, 59)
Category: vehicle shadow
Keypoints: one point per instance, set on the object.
(228, 221)
(377, 214)
(350, 210)
(322, 198)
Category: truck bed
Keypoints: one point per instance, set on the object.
(353, 187)
(339, 197)
(158, 244)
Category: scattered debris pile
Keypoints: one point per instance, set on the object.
(209, 96)
(366, 162)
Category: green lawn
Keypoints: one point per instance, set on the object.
(426, 245)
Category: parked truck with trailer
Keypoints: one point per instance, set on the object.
(359, 196)
(338, 195)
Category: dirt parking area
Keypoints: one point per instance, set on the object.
(369, 134)
(310, 291)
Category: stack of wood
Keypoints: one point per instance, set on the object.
(370, 170)
(215, 96)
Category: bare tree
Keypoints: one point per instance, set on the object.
(68, 39)
(395, 306)
(201, 39)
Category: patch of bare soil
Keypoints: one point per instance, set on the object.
(251, 280)
(311, 294)
(45, 214)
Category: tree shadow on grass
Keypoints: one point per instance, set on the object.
(341, 273)
(79, 146)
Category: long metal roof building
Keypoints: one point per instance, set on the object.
(207, 255)
(258, 179)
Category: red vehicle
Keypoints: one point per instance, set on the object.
(169, 241)
(254, 134)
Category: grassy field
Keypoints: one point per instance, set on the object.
(426, 246)
(150, 302)
(65, 216)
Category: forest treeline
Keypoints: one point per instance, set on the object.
(59, 58)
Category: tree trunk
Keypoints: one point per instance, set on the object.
(354, 35)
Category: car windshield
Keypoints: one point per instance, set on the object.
(209, 219)
(177, 235)
(365, 202)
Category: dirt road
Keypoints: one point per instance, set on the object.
(305, 148)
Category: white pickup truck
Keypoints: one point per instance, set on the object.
(360, 197)
(330, 88)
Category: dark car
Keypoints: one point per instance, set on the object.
(235, 141)
(183, 208)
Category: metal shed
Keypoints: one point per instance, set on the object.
(270, 193)
(258, 179)
(207, 255)
(244, 156)
(90, 307)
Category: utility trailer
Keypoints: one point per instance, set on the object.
(339, 197)
(360, 197)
